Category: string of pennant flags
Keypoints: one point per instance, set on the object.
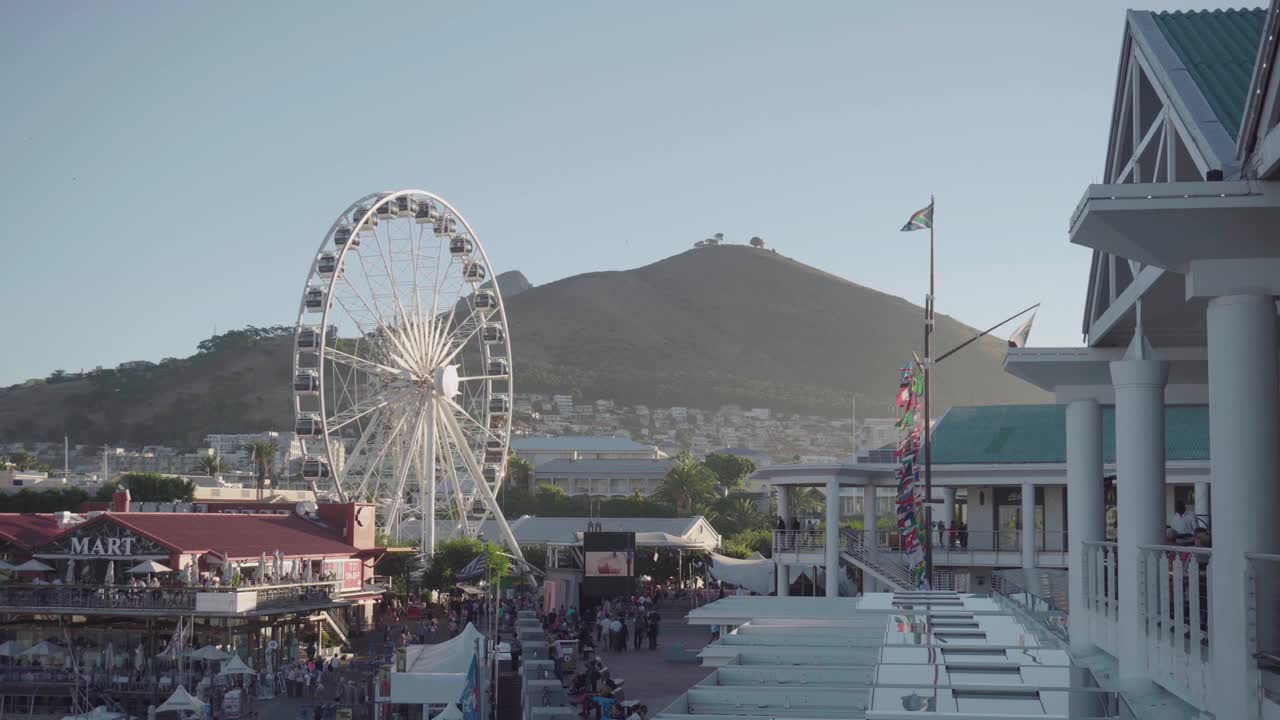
(910, 500)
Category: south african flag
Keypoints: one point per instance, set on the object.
(921, 220)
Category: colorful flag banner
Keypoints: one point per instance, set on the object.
(922, 219)
(469, 703)
(1019, 337)
(910, 500)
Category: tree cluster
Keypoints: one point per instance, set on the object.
(150, 487)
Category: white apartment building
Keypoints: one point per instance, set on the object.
(604, 477)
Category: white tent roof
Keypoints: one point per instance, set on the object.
(33, 565)
(180, 701)
(11, 648)
(44, 648)
(99, 713)
(436, 674)
(754, 575)
(209, 652)
(236, 666)
(148, 567)
(687, 532)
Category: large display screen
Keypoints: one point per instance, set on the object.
(610, 564)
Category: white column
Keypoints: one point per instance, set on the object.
(1139, 387)
(869, 513)
(784, 511)
(784, 502)
(1086, 510)
(833, 537)
(1242, 461)
(1202, 500)
(1028, 525)
(948, 505)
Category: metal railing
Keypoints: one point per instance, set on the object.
(1263, 617)
(888, 564)
(111, 597)
(798, 541)
(1102, 592)
(1175, 582)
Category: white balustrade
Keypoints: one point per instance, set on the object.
(1102, 593)
(1175, 610)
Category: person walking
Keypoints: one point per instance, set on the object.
(639, 632)
(652, 627)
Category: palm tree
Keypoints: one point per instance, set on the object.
(211, 465)
(260, 454)
(688, 483)
(735, 513)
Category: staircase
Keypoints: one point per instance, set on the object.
(338, 624)
(887, 566)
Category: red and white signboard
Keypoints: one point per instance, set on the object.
(350, 572)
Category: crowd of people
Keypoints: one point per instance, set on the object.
(616, 625)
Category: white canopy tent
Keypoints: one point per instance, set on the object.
(181, 701)
(99, 713)
(754, 575)
(236, 666)
(436, 674)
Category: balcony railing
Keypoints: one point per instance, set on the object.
(798, 542)
(1263, 616)
(184, 599)
(1175, 608)
(1102, 592)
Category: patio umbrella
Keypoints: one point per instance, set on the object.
(261, 575)
(71, 572)
(209, 652)
(139, 660)
(279, 564)
(109, 656)
(11, 648)
(148, 567)
(308, 577)
(33, 565)
(181, 701)
(110, 577)
(44, 648)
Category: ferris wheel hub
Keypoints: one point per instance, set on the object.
(446, 381)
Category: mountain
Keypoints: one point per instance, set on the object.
(734, 324)
(716, 325)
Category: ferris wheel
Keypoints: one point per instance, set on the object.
(402, 368)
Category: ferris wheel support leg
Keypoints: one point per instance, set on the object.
(428, 494)
(482, 487)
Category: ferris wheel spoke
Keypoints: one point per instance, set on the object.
(359, 363)
(464, 414)
(371, 468)
(482, 487)
(451, 468)
(351, 414)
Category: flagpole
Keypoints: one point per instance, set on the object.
(928, 393)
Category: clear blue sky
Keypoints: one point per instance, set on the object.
(171, 167)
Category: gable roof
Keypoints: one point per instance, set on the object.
(1219, 49)
(1015, 434)
(236, 536)
(28, 530)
